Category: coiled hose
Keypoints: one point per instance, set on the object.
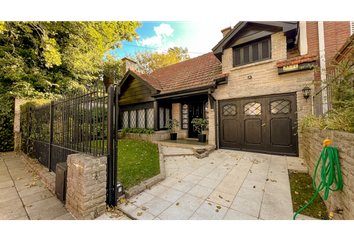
(329, 159)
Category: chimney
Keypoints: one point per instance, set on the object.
(128, 64)
(225, 31)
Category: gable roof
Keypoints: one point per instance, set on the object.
(193, 73)
(196, 72)
(289, 28)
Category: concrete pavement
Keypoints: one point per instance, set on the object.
(23, 196)
(227, 185)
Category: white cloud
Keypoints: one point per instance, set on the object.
(164, 29)
(160, 40)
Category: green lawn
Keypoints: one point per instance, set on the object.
(137, 161)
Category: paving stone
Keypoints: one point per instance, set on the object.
(200, 191)
(252, 194)
(221, 198)
(236, 215)
(6, 184)
(275, 207)
(179, 174)
(46, 209)
(24, 192)
(249, 207)
(189, 202)
(156, 206)
(229, 187)
(144, 214)
(8, 206)
(183, 186)
(142, 198)
(8, 197)
(171, 195)
(157, 190)
(250, 184)
(197, 216)
(209, 212)
(37, 196)
(193, 178)
(14, 213)
(8, 190)
(169, 181)
(127, 207)
(175, 212)
(66, 216)
(304, 217)
(209, 183)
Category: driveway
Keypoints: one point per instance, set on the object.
(227, 185)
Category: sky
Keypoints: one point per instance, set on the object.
(198, 37)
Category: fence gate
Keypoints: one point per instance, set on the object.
(83, 122)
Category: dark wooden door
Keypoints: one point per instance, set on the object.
(261, 124)
(252, 119)
(195, 111)
(230, 127)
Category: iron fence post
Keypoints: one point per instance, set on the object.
(115, 171)
(110, 158)
(50, 134)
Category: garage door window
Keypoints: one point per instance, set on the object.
(252, 109)
(280, 106)
(229, 110)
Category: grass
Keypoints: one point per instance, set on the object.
(302, 192)
(137, 161)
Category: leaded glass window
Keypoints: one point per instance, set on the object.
(185, 116)
(229, 110)
(252, 109)
(125, 119)
(132, 119)
(167, 113)
(161, 118)
(280, 106)
(141, 118)
(150, 118)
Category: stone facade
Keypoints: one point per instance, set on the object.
(86, 186)
(265, 78)
(311, 144)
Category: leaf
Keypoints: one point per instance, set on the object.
(217, 210)
(296, 192)
(227, 200)
(177, 203)
(111, 216)
(122, 200)
(220, 196)
(26, 184)
(218, 207)
(18, 178)
(262, 190)
(139, 213)
(34, 184)
(209, 204)
(44, 196)
(144, 208)
(179, 181)
(29, 205)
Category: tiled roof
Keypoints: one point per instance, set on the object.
(297, 60)
(149, 79)
(196, 72)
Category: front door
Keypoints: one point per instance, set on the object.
(262, 124)
(195, 110)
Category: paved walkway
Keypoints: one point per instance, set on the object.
(227, 185)
(24, 196)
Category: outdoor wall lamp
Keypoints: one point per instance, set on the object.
(306, 92)
(249, 77)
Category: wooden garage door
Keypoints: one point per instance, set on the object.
(262, 124)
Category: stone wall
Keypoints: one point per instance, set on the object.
(17, 129)
(311, 145)
(86, 186)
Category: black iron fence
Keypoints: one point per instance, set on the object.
(83, 122)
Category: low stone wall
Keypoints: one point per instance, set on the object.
(86, 186)
(157, 136)
(311, 144)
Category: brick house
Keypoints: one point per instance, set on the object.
(249, 86)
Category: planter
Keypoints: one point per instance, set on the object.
(173, 136)
(202, 137)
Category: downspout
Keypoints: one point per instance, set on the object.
(321, 44)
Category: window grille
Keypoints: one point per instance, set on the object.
(167, 113)
(125, 119)
(252, 109)
(280, 106)
(150, 118)
(229, 110)
(141, 118)
(132, 119)
(185, 116)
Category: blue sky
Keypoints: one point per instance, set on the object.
(198, 37)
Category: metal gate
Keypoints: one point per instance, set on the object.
(82, 122)
(261, 124)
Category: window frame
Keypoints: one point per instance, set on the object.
(250, 51)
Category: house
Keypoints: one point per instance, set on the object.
(250, 86)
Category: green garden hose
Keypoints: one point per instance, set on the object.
(328, 173)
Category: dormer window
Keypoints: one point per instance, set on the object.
(254, 52)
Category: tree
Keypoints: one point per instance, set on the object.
(149, 62)
(48, 59)
(56, 57)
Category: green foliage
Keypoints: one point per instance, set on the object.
(49, 59)
(340, 82)
(172, 124)
(147, 131)
(149, 62)
(199, 124)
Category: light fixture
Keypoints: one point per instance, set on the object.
(306, 92)
(249, 77)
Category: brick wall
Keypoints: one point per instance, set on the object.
(335, 35)
(311, 144)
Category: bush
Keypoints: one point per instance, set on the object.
(147, 131)
(6, 124)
